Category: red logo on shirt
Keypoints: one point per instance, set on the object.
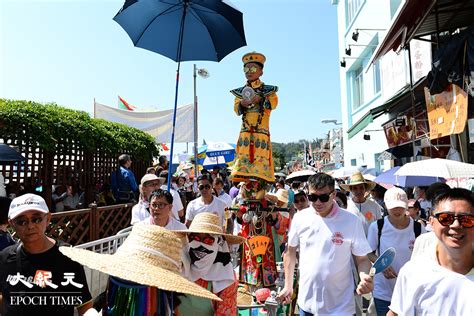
(411, 244)
(337, 238)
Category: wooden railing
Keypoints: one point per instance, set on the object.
(81, 226)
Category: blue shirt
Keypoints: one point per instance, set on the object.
(125, 182)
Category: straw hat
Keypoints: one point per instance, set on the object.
(282, 196)
(356, 179)
(209, 223)
(151, 255)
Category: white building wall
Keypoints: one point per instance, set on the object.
(371, 14)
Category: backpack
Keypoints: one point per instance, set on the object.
(416, 230)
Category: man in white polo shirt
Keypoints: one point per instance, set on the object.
(206, 202)
(327, 237)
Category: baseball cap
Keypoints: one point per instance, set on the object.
(27, 202)
(395, 197)
(148, 177)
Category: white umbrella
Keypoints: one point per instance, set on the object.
(345, 172)
(301, 175)
(437, 167)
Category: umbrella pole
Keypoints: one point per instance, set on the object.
(180, 46)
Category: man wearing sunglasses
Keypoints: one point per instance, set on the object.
(206, 202)
(327, 237)
(35, 278)
(441, 282)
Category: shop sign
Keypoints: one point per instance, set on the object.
(447, 111)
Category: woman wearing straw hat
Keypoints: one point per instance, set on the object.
(209, 263)
(144, 273)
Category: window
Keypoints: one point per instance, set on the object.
(352, 7)
(353, 162)
(358, 88)
(376, 77)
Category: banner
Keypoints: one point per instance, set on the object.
(447, 111)
(156, 123)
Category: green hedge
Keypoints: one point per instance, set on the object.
(54, 128)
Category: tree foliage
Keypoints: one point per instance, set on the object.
(54, 128)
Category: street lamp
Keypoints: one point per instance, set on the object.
(203, 73)
(327, 121)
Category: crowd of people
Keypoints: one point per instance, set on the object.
(331, 234)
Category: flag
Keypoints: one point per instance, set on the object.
(311, 158)
(165, 148)
(308, 156)
(158, 124)
(124, 105)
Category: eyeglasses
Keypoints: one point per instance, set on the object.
(208, 240)
(447, 219)
(24, 221)
(322, 197)
(204, 186)
(252, 70)
(159, 205)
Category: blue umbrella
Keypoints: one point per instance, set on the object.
(183, 30)
(389, 177)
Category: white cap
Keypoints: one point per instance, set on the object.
(395, 197)
(27, 202)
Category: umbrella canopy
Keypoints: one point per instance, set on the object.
(217, 154)
(183, 30)
(301, 175)
(9, 155)
(437, 167)
(345, 172)
(390, 177)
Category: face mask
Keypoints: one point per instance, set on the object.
(202, 256)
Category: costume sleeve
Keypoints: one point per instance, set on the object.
(271, 101)
(402, 299)
(360, 245)
(373, 236)
(237, 107)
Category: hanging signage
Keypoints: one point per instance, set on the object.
(400, 131)
(447, 111)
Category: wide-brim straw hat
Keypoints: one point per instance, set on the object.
(151, 255)
(282, 196)
(209, 223)
(358, 178)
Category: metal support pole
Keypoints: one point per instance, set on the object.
(413, 104)
(196, 170)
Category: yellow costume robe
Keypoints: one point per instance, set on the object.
(253, 154)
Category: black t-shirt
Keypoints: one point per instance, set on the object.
(54, 282)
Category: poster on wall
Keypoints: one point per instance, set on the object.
(447, 111)
(400, 131)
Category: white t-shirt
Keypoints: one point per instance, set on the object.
(403, 241)
(177, 204)
(425, 245)
(326, 245)
(197, 206)
(425, 288)
(225, 198)
(140, 212)
(368, 212)
(174, 224)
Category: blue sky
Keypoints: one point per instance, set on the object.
(71, 52)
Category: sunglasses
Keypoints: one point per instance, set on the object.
(208, 239)
(204, 186)
(251, 70)
(159, 205)
(447, 219)
(25, 221)
(322, 197)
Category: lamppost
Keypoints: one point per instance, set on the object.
(327, 121)
(203, 73)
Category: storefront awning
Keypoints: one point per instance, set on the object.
(377, 111)
(418, 18)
